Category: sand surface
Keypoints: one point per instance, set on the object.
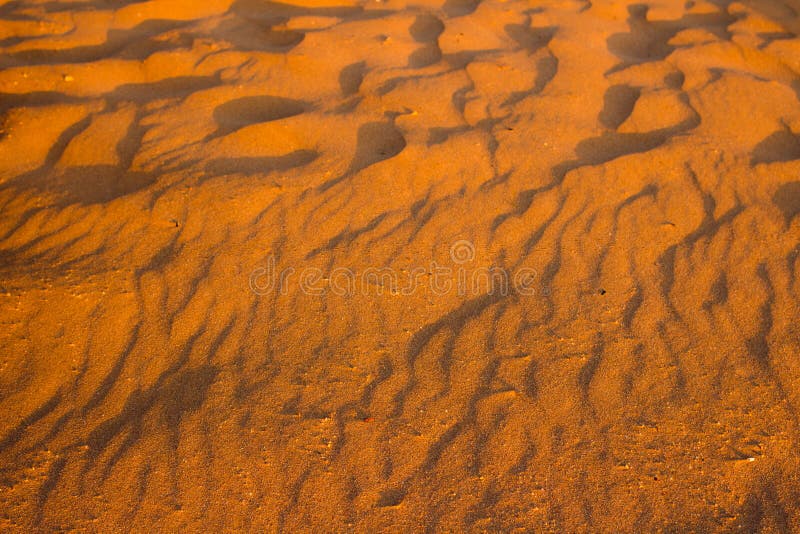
(634, 167)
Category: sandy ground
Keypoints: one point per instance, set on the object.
(162, 163)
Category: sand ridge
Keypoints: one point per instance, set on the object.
(641, 160)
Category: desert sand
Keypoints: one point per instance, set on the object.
(163, 162)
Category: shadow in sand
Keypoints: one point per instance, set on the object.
(787, 199)
(377, 141)
(260, 165)
(236, 114)
(779, 146)
(90, 184)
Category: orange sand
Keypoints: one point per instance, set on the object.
(641, 160)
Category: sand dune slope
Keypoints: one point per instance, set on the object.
(246, 247)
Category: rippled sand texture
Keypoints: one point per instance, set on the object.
(642, 159)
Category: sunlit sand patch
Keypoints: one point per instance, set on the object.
(450, 265)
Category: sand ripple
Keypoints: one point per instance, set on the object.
(641, 162)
